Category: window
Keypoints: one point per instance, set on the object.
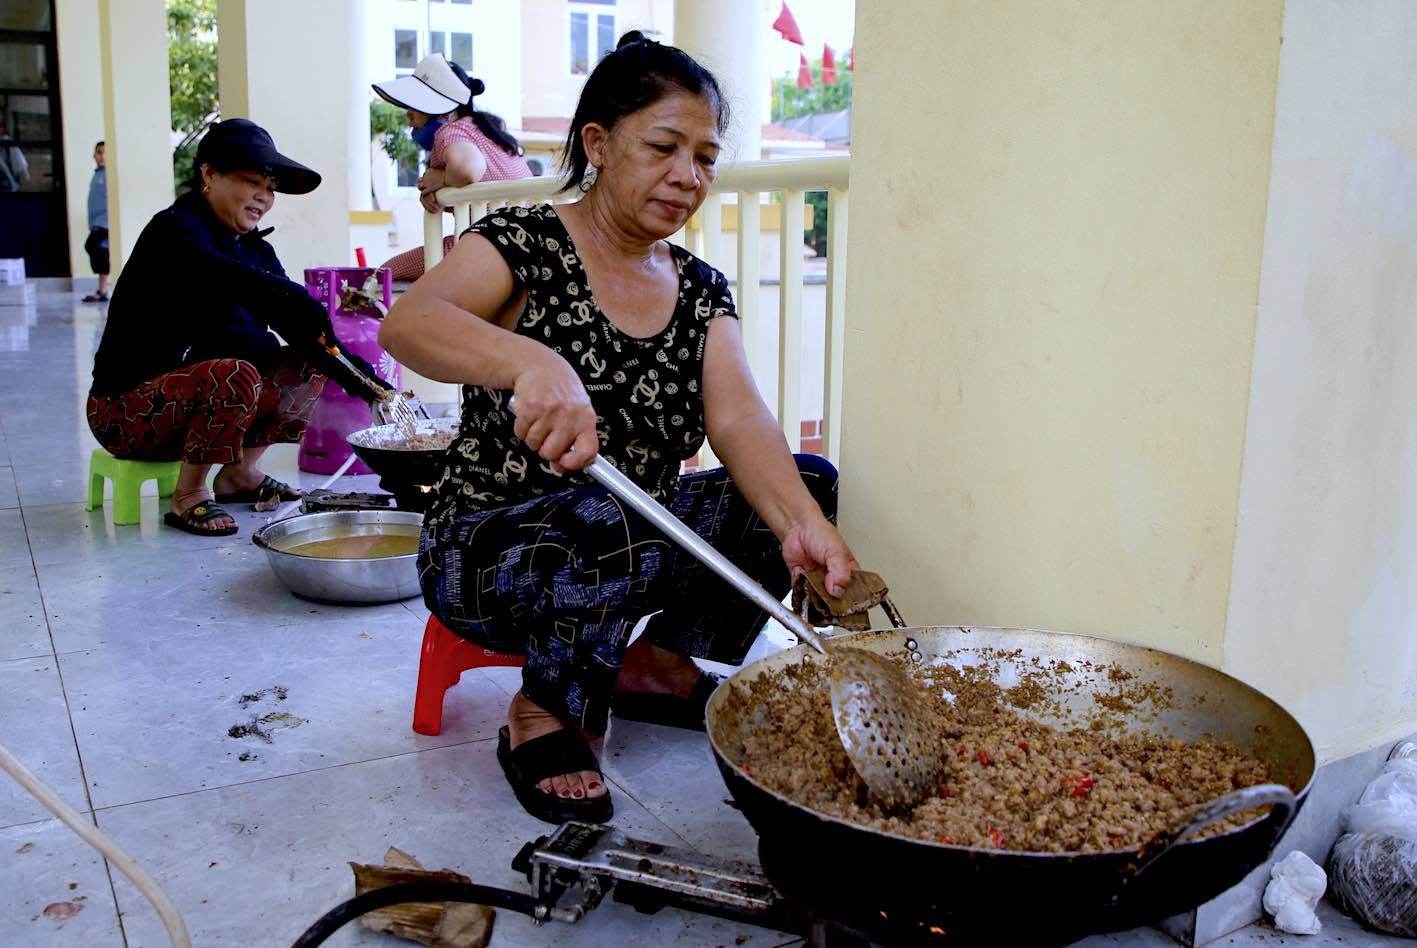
(592, 35)
(461, 45)
(456, 47)
(405, 49)
(408, 174)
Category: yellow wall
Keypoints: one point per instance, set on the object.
(1324, 610)
(1056, 227)
(81, 88)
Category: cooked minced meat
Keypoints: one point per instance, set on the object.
(1012, 783)
(394, 438)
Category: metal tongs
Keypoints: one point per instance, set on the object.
(394, 403)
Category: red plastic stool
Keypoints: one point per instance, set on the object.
(445, 657)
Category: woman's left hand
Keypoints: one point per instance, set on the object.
(818, 545)
(428, 187)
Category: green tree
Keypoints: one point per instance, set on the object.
(191, 70)
(388, 125)
(788, 101)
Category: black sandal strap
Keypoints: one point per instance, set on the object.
(553, 755)
(203, 512)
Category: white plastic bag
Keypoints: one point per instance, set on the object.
(1296, 883)
(1374, 866)
(1388, 807)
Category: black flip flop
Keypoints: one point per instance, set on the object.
(560, 752)
(191, 519)
(266, 488)
(688, 713)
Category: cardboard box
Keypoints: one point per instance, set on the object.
(12, 271)
(21, 295)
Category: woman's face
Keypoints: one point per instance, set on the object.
(420, 119)
(239, 199)
(656, 165)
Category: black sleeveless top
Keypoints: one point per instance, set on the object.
(647, 393)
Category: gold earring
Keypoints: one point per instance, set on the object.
(206, 189)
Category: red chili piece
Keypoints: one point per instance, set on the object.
(983, 758)
(963, 750)
(1080, 786)
(1023, 746)
(997, 837)
(945, 792)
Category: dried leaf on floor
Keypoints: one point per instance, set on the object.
(437, 924)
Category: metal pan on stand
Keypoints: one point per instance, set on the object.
(897, 890)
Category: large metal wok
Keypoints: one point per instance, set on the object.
(898, 890)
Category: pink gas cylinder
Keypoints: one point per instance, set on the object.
(354, 297)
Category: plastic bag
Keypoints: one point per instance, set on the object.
(1374, 865)
(1296, 883)
(1375, 880)
(1388, 806)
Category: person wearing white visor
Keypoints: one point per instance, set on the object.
(465, 145)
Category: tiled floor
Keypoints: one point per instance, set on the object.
(127, 654)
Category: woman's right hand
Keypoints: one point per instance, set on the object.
(554, 415)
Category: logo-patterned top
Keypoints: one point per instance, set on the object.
(646, 392)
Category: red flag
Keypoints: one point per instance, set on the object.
(804, 74)
(787, 26)
(828, 65)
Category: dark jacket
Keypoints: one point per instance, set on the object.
(191, 290)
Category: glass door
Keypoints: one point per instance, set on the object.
(31, 154)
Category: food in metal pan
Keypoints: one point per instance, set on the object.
(1012, 781)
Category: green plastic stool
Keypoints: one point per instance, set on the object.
(127, 478)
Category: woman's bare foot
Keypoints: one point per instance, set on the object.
(234, 479)
(649, 669)
(525, 721)
(185, 500)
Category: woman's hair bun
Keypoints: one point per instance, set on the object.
(476, 86)
(634, 36)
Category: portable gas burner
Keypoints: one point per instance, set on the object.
(572, 870)
(319, 500)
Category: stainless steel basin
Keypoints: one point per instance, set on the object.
(367, 580)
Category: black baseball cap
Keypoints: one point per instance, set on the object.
(241, 145)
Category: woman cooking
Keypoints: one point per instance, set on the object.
(188, 366)
(613, 342)
(465, 145)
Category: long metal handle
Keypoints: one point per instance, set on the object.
(628, 491)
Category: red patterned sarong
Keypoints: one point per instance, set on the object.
(207, 412)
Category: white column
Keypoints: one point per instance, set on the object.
(358, 102)
(727, 38)
(137, 117)
(80, 67)
(294, 81)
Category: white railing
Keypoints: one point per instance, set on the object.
(748, 180)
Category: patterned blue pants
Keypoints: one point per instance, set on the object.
(563, 579)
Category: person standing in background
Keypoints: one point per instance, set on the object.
(14, 169)
(96, 246)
